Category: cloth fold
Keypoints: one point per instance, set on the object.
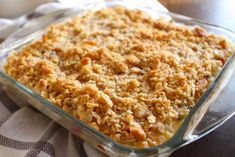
(29, 133)
(24, 132)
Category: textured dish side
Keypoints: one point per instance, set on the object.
(125, 74)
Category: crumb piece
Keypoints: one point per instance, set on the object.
(137, 131)
(85, 61)
(200, 32)
(134, 83)
(89, 42)
(139, 48)
(151, 119)
(91, 90)
(121, 67)
(105, 100)
(135, 70)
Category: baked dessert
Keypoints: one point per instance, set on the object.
(125, 74)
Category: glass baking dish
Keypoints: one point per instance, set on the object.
(205, 116)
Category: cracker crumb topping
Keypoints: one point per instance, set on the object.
(130, 76)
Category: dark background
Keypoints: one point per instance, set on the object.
(219, 12)
(221, 142)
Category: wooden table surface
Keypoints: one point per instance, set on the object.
(221, 142)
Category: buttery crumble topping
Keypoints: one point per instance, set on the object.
(125, 74)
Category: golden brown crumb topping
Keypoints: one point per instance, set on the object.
(123, 73)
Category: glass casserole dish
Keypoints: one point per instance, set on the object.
(193, 126)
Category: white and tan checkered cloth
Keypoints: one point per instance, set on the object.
(24, 132)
